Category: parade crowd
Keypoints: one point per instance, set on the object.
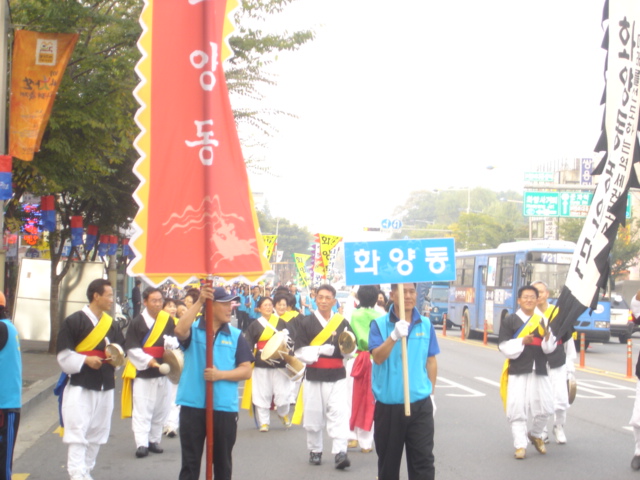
(297, 355)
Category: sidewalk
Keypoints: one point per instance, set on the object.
(40, 372)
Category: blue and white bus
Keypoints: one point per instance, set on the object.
(487, 282)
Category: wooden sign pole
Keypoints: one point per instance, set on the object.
(405, 360)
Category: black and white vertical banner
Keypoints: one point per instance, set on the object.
(619, 168)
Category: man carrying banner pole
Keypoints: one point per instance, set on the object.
(394, 428)
(232, 359)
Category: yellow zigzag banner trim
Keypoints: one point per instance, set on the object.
(142, 143)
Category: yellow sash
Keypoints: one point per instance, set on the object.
(91, 341)
(322, 337)
(528, 329)
(327, 331)
(267, 333)
(290, 315)
(129, 372)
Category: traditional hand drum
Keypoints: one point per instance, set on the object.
(278, 348)
(347, 342)
(114, 354)
(175, 360)
(572, 387)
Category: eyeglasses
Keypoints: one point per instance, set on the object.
(323, 297)
(528, 298)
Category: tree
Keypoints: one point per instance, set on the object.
(86, 155)
(497, 216)
(291, 237)
(624, 253)
(253, 50)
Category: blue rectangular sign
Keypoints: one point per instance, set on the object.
(400, 261)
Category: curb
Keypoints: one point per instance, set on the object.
(38, 392)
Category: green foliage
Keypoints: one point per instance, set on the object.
(86, 157)
(253, 50)
(291, 237)
(494, 217)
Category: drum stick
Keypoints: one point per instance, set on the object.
(405, 361)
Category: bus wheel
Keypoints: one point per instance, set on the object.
(466, 324)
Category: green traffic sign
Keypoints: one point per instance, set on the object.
(560, 204)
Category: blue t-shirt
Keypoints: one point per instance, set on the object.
(422, 343)
(230, 349)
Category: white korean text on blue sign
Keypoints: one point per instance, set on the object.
(400, 261)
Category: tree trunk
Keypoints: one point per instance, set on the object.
(54, 308)
(56, 280)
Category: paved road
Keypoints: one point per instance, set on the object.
(472, 436)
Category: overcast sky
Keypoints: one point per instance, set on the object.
(393, 97)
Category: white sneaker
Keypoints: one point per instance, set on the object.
(558, 431)
(545, 436)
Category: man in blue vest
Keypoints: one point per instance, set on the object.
(232, 359)
(11, 391)
(394, 430)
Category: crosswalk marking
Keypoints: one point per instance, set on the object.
(470, 392)
(493, 383)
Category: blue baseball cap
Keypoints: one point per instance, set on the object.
(221, 295)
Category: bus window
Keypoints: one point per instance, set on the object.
(505, 270)
(554, 275)
(464, 271)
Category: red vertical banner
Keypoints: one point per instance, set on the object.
(189, 144)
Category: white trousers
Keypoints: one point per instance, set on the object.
(325, 403)
(528, 395)
(364, 437)
(267, 384)
(173, 418)
(635, 419)
(87, 421)
(560, 394)
(151, 405)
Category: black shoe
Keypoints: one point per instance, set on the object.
(155, 448)
(635, 462)
(172, 433)
(342, 461)
(315, 458)
(142, 452)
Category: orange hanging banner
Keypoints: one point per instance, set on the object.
(39, 61)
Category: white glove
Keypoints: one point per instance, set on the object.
(401, 330)
(170, 342)
(326, 350)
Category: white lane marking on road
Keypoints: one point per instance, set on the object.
(603, 385)
(596, 393)
(493, 383)
(450, 384)
(628, 428)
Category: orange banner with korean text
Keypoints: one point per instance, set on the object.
(196, 214)
(39, 61)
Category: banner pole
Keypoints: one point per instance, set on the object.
(405, 360)
(209, 385)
